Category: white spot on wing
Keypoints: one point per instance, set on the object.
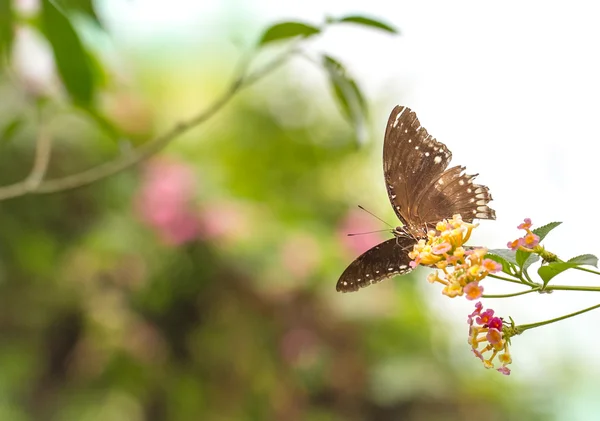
(437, 159)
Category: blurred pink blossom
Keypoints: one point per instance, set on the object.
(223, 220)
(358, 221)
(300, 255)
(165, 198)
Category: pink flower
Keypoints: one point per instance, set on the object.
(491, 266)
(476, 312)
(526, 225)
(495, 323)
(485, 317)
(513, 245)
(531, 240)
(164, 201)
(473, 290)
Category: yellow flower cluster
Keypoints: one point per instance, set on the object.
(444, 248)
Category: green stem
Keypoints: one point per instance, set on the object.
(587, 270)
(514, 294)
(529, 281)
(502, 278)
(522, 328)
(571, 288)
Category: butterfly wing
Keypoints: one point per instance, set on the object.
(376, 264)
(411, 160)
(454, 192)
(421, 190)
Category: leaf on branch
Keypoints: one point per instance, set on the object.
(549, 271)
(362, 20)
(71, 58)
(584, 259)
(348, 95)
(287, 30)
(523, 258)
(544, 230)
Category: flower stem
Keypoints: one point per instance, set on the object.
(570, 288)
(502, 278)
(522, 328)
(514, 294)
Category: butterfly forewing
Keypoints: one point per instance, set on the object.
(382, 261)
(411, 159)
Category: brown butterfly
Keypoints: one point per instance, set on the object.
(422, 192)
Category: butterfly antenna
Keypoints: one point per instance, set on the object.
(372, 214)
(368, 232)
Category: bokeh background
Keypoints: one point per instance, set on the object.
(201, 284)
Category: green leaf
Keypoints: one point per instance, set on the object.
(544, 230)
(84, 7)
(71, 58)
(505, 257)
(286, 30)
(549, 271)
(524, 257)
(361, 20)
(585, 259)
(348, 95)
(6, 29)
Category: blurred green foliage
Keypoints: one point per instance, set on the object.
(101, 318)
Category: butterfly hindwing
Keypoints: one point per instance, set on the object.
(376, 264)
(452, 193)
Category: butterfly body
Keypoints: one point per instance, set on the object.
(422, 192)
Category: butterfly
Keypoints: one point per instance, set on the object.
(422, 193)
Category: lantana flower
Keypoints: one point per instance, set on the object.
(459, 270)
(488, 339)
(528, 241)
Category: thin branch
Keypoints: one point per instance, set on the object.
(150, 148)
(523, 328)
(43, 149)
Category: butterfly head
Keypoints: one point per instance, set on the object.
(408, 231)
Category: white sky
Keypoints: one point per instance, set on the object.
(511, 87)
